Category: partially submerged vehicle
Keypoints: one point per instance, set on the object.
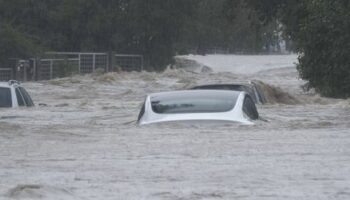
(13, 95)
(249, 88)
(198, 105)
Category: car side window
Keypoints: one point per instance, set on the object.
(19, 98)
(27, 99)
(5, 98)
(249, 108)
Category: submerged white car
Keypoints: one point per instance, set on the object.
(198, 105)
(13, 95)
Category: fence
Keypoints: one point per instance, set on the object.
(6, 74)
(129, 62)
(87, 62)
(54, 68)
(60, 64)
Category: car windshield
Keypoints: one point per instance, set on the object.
(5, 97)
(194, 102)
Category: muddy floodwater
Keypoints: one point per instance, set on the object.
(85, 144)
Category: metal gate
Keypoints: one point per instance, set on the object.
(55, 68)
(129, 62)
(59, 64)
(87, 62)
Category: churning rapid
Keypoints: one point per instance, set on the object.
(85, 144)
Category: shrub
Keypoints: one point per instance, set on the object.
(324, 43)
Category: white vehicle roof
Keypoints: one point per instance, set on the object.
(4, 85)
(9, 83)
(12, 95)
(194, 105)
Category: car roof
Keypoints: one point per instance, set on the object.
(9, 84)
(195, 92)
(224, 84)
(4, 85)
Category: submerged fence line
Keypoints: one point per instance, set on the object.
(59, 64)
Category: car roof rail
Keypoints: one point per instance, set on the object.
(12, 82)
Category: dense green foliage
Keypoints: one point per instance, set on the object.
(14, 44)
(320, 31)
(160, 29)
(324, 39)
(157, 29)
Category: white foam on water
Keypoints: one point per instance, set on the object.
(244, 64)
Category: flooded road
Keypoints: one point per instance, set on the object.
(85, 143)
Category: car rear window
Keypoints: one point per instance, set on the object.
(5, 97)
(194, 102)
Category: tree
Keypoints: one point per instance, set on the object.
(251, 31)
(15, 44)
(319, 30)
(19, 22)
(154, 28)
(158, 29)
(324, 41)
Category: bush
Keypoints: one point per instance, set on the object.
(15, 44)
(319, 30)
(324, 42)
